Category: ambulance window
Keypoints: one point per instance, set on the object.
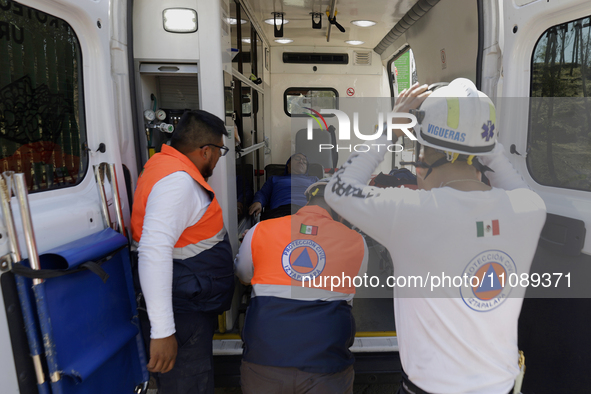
(560, 110)
(295, 100)
(42, 127)
(403, 72)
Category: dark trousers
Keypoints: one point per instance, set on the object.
(193, 369)
(258, 379)
(408, 387)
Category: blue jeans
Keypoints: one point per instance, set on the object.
(193, 369)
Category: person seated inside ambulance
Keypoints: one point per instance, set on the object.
(283, 194)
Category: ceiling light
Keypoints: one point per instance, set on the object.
(363, 23)
(354, 42)
(180, 20)
(283, 40)
(246, 40)
(233, 21)
(271, 21)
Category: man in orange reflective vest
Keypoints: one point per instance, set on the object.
(299, 325)
(185, 258)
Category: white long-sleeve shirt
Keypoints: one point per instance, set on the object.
(456, 339)
(175, 203)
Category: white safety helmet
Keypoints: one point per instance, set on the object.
(458, 118)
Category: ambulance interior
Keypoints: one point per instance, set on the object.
(275, 67)
(87, 87)
(271, 76)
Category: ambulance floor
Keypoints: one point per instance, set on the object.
(357, 389)
(373, 314)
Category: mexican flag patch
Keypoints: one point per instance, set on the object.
(310, 230)
(487, 228)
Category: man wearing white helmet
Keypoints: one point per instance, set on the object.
(455, 334)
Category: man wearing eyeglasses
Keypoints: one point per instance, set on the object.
(184, 255)
(222, 149)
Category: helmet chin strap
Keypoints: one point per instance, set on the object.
(437, 163)
(444, 160)
(481, 167)
(422, 164)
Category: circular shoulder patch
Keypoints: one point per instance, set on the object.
(303, 257)
(492, 268)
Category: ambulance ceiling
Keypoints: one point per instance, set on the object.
(385, 13)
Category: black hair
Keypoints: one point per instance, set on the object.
(195, 129)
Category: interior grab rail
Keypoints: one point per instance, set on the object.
(252, 148)
(108, 170)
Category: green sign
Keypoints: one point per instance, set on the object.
(403, 73)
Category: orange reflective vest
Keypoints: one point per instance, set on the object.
(204, 281)
(303, 246)
(166, 162)
(309, 334)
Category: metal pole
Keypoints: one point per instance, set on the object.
(6, 188)
(99, 174)
(252, 148)
(31, 328)
(38, 288)
(115, 188)
(23, 201)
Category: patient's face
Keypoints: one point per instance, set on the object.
(298, 165)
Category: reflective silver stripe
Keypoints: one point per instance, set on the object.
(299, 293)
(194, 249)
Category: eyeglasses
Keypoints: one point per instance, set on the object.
(300, 159)
(223, 149)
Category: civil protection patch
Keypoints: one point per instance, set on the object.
(303, 257)
(493, 269)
